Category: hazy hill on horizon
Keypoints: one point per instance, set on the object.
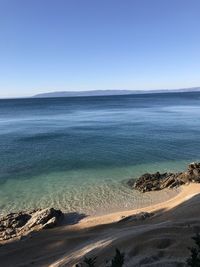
(112, 92)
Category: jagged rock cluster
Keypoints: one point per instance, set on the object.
(22, 223)
(158, 181)
(136, 217)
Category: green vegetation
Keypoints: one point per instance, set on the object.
(194, 259)
(117, 261)
(90, 262)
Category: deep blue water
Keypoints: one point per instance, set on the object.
(71, 152)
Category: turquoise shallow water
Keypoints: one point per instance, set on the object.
(76, 153)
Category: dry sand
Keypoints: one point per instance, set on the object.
(161, 240)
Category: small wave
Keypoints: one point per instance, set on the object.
(41, 136)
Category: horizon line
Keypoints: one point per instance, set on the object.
(131, 91)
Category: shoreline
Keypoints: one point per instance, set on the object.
(66, 245)
(128, 199)
(73, 219)
(110, 221)
(183, 192)
(93, 199)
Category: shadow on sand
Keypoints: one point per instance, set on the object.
(73, 218)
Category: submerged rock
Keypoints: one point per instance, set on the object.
(22, 223)
(158, 181)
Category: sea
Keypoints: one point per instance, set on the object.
(77, 153)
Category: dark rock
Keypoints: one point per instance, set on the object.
(157, 181)
(136, 217)
(22, 223)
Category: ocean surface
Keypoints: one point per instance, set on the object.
(77, 153)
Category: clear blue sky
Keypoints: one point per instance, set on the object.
(54, 45)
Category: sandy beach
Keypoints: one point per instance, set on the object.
(160, 240)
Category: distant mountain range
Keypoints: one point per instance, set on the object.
(112, 92)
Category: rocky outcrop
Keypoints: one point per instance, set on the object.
(158, 181)
(22, 223)
(136, 217)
